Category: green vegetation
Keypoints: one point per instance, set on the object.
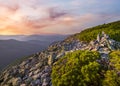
(111, 79)
(80, 68)
(115, 60)
(112, 76)
(112, 29)
(77, 69)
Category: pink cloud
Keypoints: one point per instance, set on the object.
(55, 13)
(29, 17)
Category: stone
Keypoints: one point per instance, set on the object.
(38, 65)
(60, 55)
(47, 79)
(111, 41)
(23, 85)
(98, 37)
(50, 60)
(37, 71)
(23, 63)
(92, 43)
(25, 77)
(38, 82)
(28, 80)
(16, 81)
(47, 69)
(45, 84)
(31, 74)
(32, 83)
(43, 76)
(36, 76)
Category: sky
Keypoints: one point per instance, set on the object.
(28, 17)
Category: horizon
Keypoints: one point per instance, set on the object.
(55, 34)
(40, 17)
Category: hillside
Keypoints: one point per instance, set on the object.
(112, 29)
(72, 62)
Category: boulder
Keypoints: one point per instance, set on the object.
(16, 81)
(23, 85)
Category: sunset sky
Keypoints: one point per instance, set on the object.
(27, 17)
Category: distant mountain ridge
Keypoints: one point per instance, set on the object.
(34, 37)
(12, 49)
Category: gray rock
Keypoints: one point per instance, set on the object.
(38, 82)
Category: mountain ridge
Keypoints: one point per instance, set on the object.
(19, 46)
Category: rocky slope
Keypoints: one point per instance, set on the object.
(36, 70)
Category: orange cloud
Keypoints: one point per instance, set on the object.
(10, 31)
(63, 25)
(27, 21)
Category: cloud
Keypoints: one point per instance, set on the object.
(52, 16)
(55, 13)
(79, 23)
(11, 8)
(66, 24)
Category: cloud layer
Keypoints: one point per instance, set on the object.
(53, 16)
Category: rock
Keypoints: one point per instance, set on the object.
(23, 85)
(32, 83)
(98, 37)
(27, 66)
(36, 76)
(31, 74)
(47, 79)
(92, 43)
(45, 84)
(25, 77)
(43, 76)
(51, 58)
(39, 65)
(38, 82)
(60, 55)
(24, 63)
(28, 80)
(16, 81)
(47, 69)
(111, 41)
(37, 71)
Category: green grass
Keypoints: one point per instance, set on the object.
(112, 29)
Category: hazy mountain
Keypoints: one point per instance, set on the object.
(12, 49)
(49, 38)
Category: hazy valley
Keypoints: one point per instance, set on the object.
(14, 47)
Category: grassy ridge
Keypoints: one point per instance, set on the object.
(112, 29)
